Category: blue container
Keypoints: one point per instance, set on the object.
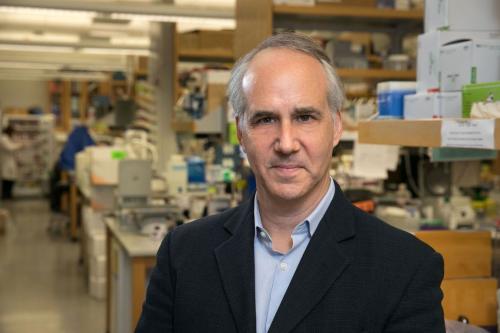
(196, 170)
(390, 98)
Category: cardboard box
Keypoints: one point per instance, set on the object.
(97, 267)
(421, 106)
(104, 165)
(428, 55)
(475, 299)
(96, 244)
(97, 288)
(462, 15)
(450, 104)
(102, 198)
(481, 92)
(468, 62)
(433, 105)
(466, 254)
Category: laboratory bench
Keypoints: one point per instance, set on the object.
(131, 258)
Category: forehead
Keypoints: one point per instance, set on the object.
(278, 75)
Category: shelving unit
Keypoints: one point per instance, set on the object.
(410, 133)
(376, 74)
(218, 53)
(35, 162)
(257, 20)
(146, 116)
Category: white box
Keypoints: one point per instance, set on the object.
(102, 198)
(97, 267)
(96, 244)
(97, 288)
(428, 56)
(104, 165)
(421, 106)
(93, 221)
(468, 62)
(464, 15)
(433, 105)
(450, 104)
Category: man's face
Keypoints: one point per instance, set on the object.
(288, 130)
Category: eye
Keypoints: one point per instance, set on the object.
(305, 117)
(264, 120)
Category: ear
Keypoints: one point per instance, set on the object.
(239, 134)
(337, 127)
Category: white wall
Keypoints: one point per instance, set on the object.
(24, 94)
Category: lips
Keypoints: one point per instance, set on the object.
(286, 170)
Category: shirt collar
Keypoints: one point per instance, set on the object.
(312, 221)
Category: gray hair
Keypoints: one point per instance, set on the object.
(291, 41)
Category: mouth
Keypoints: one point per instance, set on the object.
(286, 169)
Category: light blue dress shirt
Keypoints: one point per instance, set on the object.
(274, 270)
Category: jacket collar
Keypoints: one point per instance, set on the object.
(326, 257)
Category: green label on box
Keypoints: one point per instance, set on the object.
(118, 154)
(480, 92)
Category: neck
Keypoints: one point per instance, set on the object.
(280, 216)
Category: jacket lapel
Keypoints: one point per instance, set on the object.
(235, 258)
(322, 263)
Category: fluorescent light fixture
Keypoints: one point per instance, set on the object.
(28, 65)
(36, 48)
(222, 23)
(22, 36)
(131, 41)
(47, 12)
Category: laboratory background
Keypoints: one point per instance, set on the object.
(115, 129)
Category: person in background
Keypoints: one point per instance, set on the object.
(78, 140)
(298, 256)
(8, 148)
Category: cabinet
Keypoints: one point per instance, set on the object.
(257, 20)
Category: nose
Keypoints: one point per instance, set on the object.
(287, 142)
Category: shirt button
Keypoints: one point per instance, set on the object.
(263, 234)
(283, 266)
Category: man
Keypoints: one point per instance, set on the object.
(298, 257)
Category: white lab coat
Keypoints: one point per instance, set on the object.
(8, 150)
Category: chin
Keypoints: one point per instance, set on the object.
(290, 192)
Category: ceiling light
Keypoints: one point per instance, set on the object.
(131, 41)
(222, 23)
(36, 48)
(47, 12)
(28, 65)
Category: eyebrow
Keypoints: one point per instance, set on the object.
(306, 110)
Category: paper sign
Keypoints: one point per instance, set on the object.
(468, 133)
(372, 161)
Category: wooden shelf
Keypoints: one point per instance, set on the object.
(410, 133)
(322, 10)
(206, 54)
(376, 74)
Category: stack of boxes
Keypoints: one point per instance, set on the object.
(95, 243)
(460, 47)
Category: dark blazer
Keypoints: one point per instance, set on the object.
(357, 274)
